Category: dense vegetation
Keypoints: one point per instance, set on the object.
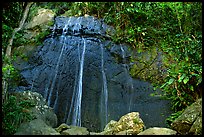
(15, 112)
(175, 28)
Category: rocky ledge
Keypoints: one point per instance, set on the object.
(190, 122)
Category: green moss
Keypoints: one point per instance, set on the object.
(68, 13)
(41, 36)
(136, 121)
(51, 23)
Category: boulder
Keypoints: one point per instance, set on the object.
(34, 32)
(129, 124)
(158, 131)
(75, 130)
(190, 121)
(36, 127)
(110, 125)
(40, 110)
(65, 129)
(39, 24)
(43, 17)
(62, 127)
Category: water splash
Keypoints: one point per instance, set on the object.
(77, 26)
(104, 96)
(130, 86)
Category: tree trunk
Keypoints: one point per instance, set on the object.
(8, 49)
(25, 14)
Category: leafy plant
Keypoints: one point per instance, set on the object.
(175, 28)
(14, 113)
(172, 117)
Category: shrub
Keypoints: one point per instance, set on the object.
(14, 113)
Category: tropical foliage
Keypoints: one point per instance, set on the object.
(175, 28)
(15, 112)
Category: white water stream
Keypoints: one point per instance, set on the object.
(76, 117)
(104, 95)
(63, 38)
(129, 80)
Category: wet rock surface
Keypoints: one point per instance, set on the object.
(42, 75)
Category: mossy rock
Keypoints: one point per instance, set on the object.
(190, 121)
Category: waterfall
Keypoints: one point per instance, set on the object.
(76, 116)
(129, 80)
(77, 26)
(104, 96)
(57, 66)
(131, 95)
(67, 118)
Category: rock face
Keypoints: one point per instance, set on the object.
(53, 70)
(158, 131)
(190, 121)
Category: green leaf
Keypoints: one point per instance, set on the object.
(181, 78)
(191, 88)
(4, 69)
(171, 81)
(186, 80)
(163, 85)
(186, 58)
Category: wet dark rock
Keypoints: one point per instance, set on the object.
(123, 97)
(84, 25)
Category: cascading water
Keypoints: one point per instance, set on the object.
(67, 118)
(104, 96)
(76, 117)
(131, 95)
(57, 66)
(129, 80)
(107, 87)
